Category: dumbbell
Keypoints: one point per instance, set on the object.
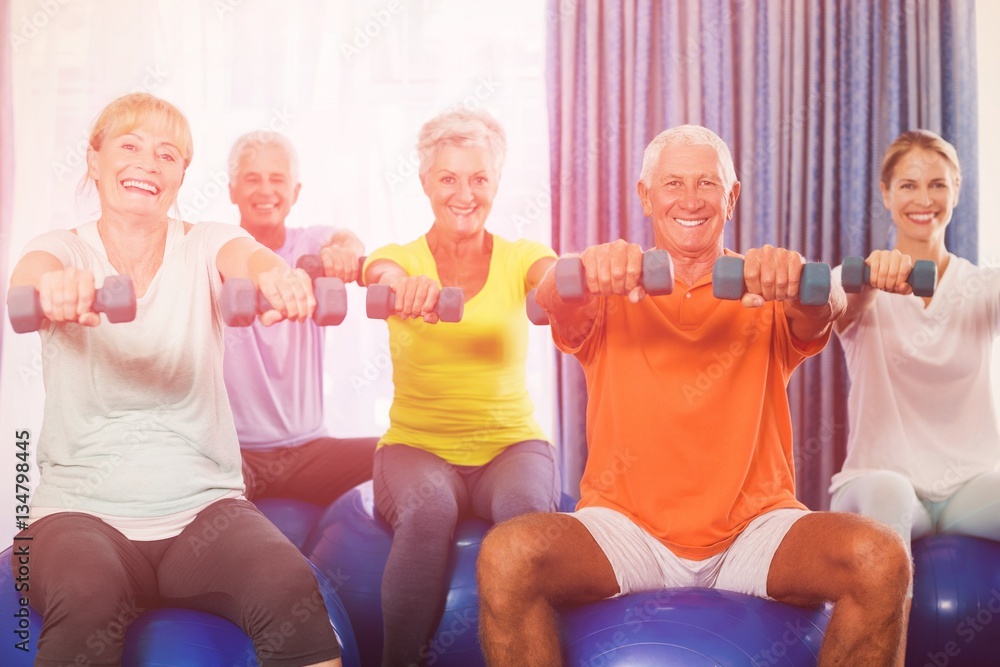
(241, 301)
(116, 299)
(855, 273)
(535, 312)
(728, 283)
(380, 303)
(657, 276)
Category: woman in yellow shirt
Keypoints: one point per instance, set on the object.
(462, 438)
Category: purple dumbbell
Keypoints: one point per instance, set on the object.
(381, 303)
(116, 299)
(657, 276)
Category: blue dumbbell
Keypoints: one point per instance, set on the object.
(728, 282)
(855, 273)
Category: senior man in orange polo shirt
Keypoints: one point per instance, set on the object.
(691, 482)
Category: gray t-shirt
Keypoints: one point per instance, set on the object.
(137, 422)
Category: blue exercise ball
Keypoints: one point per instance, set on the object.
(294, 518)
(168, 637)
(693, 627)
(955, 617)
(351, 546)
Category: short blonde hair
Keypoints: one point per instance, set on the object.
(912, 140)
(462, 127)
(691, 135)
(130, 111)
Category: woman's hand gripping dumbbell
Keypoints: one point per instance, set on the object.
(68, 295)
(890, 271)
(771, 274)
(415, 296)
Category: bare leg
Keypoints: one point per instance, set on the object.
(863, 567)
(525, 565)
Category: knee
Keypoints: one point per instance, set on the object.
(524, 501)
(510, 559)
(430, 499)
(880, 563)
(883, 492)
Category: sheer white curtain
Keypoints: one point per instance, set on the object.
(349, 83)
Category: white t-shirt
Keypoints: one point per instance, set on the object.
(921, 400)
(137, 427)
(275, 374)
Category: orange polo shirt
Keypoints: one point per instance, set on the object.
(688, 426)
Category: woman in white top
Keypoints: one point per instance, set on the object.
(923, 453)
(140, 493)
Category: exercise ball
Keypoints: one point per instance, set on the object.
(955, 617)
(294, 518)
(351, 546)
(693, 627)
(167, 637)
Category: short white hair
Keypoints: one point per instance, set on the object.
(461, 127)
(690, 135)
(252, 141)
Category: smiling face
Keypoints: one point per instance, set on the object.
(687, 200)
(263, 188)
(461, 184)
(921, 195)
(138, 173)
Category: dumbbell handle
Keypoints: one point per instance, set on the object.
(380, 303)
(922, 277)
(313, 265)
(24, 304)
(657, 276)
(535, 312)
(239, 311)
(728, 282)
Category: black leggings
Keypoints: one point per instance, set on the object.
(88, 581)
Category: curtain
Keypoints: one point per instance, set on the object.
(807, 94)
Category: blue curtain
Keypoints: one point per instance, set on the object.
(807, 93)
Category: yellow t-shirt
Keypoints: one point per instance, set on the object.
(460, 390)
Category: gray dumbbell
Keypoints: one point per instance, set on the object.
(241, 302)
(728, 282)
(116, 299)
(855, 273)
(535, 312)
(380, 303)
(657, 276)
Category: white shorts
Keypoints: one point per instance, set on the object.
(642, 563)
